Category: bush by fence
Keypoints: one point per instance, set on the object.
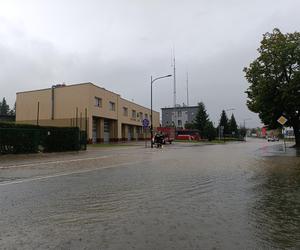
(60, 139)
(17, 138)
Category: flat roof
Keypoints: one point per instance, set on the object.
(63, 86)
(186, 107)
(85, 83)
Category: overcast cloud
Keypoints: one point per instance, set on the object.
(120, 44)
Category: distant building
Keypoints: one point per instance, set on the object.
(105, 115)
(178, 116)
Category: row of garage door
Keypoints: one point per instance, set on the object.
(107, 132)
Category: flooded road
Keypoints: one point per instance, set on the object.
(185, 196)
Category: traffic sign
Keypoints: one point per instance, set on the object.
(282, 120)
(145, 123)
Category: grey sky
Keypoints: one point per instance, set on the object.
(120, 44)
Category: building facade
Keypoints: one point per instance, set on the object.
(178, 116)
(105, 115)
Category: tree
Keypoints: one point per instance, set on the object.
(274, 79)
(189, 125)
(210, 131)
(4, 107)
(242, 131)
(224, 122)
(232, 126)
(13, 111)
(201, 119)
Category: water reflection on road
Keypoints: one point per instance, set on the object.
(233, 196)
(276, 202)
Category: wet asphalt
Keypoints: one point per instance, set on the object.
(184, 196)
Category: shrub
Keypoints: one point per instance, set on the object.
(16, 140)
(61, 139)
(23, 138)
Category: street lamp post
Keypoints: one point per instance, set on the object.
(247, 119)
(151, 126)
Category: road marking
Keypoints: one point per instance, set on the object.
(70, 173)
(53, 162)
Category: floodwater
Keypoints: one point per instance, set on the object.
(185, 196)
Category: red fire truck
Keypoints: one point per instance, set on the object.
(169, 133)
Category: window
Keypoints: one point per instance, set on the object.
(146, 116)
(179, 113)
(141, 115)
(179, 123)
(98, 102)
(112, 106)
(125, 111)
(133, 115)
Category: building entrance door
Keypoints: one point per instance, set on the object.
(130, 132)
(94, 130)
(106, 131)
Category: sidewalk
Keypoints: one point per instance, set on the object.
(93, 150)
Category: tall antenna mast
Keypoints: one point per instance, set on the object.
(187, 89)
(174, 74)
(174, 88)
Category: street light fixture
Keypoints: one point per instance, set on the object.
(151, 126)
(246, 119)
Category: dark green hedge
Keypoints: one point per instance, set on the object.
(16, 140)
(19, 138)
(60, 139)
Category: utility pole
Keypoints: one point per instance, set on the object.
(174, 90)
(76, 116)
(187, 89)
(38, 114)
(246, 119)
(151, 116)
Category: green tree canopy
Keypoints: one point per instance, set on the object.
(274, 79)
(232, 126)
(210, 131)
(4, 107)
(201, 118)
(189, 125)
(224, 122)
(203, 124)
(13, 111)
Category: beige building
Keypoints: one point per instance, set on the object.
(106, 115)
